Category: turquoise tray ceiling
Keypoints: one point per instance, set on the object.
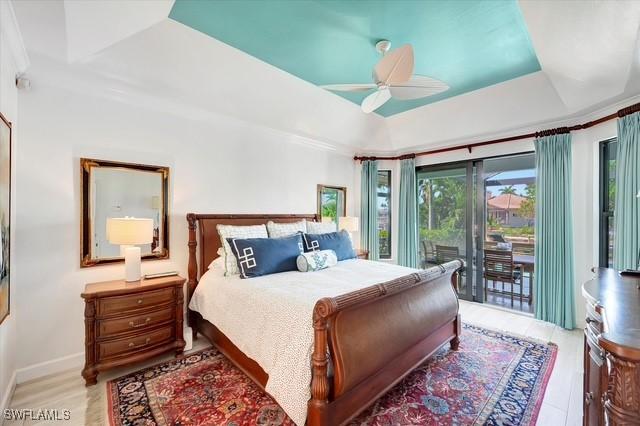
(467, 44)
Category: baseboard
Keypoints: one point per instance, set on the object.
(46, 368)
(8, 394)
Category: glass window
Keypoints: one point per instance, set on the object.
(331, 202)
(384, 213)
(608, 151)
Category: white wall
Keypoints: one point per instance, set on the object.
(9, 108)
(218, 165)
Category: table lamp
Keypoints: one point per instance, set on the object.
(349, 224)
(127, 232)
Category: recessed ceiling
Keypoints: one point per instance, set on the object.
(467, 44)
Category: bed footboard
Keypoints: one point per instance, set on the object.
(375, 336)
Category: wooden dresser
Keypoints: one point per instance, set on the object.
(131, 322)
(612, 350)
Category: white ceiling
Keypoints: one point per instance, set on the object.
(132, 52)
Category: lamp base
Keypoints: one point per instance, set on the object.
(132, 270)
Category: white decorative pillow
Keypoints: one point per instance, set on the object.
(281, 230)
(321, 227)
(316, 260)
(232, 231)
(218, 263)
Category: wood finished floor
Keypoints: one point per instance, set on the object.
(562, 404)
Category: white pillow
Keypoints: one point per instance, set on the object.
(232, 231)
(218, 263)
(316, 260)
(321, 227)
(281, 230)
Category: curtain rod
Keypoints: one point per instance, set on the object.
(560, 130)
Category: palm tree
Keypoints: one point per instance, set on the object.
(508, 190)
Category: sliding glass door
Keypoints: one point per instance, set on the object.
(482, 211)
(446, 218)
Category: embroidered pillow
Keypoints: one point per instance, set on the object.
(279, 230)
(339, 242)
(321, 227)
(263, 256)
(316, 260)
(233, 231)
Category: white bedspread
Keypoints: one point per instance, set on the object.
(270, 319)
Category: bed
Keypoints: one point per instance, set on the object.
(362, 326)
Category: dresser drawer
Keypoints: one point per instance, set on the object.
(112, 326)
(140, 342)
(592, 314)
(122, 304)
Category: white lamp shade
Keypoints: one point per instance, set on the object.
(129, 231)
(349, 223)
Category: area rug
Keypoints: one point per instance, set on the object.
(493, 379)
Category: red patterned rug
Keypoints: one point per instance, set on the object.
(493, 379)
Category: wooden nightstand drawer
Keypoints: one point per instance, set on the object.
(128, 322)
(134, 323)
(132, 302)
(112, 348)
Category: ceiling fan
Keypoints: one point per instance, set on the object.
(393, 77)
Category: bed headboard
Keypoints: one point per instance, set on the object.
(204, 241)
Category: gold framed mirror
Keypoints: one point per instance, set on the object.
(116, 190)
(332, 202)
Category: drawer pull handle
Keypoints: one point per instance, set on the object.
(139, 301)
(142, 324)
(146, 342)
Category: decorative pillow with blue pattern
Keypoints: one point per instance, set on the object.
(264, 256)
(339, 242)
(316, 260)
(279, 230)
(321, 227)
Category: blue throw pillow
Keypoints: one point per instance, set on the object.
(263, 256)
(340, 242)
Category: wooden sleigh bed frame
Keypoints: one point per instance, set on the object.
(365, 341)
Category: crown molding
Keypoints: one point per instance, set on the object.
(568, 120)
(11, 32)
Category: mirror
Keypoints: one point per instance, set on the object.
(332, 202)
(116, 190)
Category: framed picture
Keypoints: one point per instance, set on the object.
(5, 215)
(332, 202)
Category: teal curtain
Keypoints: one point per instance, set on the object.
(554, 264)
(369, 239)
(626, 242)
(408, 218)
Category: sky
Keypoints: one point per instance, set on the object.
(516, 174)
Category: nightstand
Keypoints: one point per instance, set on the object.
(362, 254)
(131, 322)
